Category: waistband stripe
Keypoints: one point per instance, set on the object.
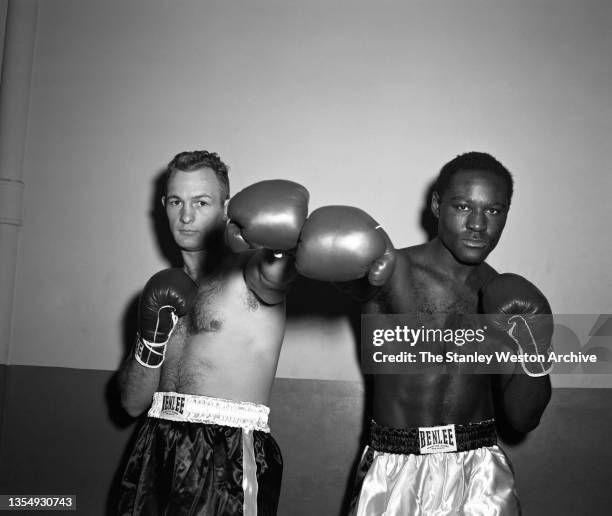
(435, 439)
(205, 409)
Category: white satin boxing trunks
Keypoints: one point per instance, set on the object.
(434, 471)
(197, 455)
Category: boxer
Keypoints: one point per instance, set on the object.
(209, 337)
(467, 473)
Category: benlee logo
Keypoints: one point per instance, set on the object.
(173, 404)
(437, 439)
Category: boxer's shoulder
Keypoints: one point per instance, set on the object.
(413, 253)
(419, 266)
(409, 260)
(419, 258)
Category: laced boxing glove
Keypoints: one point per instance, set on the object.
(268, 214)
(168, 295)
(343, 243)
(524, 315)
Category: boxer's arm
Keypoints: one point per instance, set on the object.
(137, 384)
(524, 399)
(270, 275)
(522, 315)
(167, 296)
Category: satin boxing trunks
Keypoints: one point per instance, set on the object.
(197, 455)
(451, 469)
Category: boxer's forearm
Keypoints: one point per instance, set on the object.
(525, 398)
(137, 384)
(277, 270)
(270, 276)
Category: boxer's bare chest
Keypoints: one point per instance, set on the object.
(435, 299)
(221, 299)
(422, 290)
(224, 314)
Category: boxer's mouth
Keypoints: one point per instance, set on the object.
(475, 242)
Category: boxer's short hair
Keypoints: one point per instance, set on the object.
(195, 160)
(473, 161)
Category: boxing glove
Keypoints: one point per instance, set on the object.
(268, 214)
(516, 307)
(168, 295)
(343, 243)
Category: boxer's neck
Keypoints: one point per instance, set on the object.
(202, 263)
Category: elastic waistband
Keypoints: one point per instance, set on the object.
(436, 439)
(214, 411)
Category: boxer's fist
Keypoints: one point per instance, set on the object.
(168, 295)
(524, 315)
(268, 214)
(342, 243)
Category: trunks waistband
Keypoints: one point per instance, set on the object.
(434, 439)
(214, 411)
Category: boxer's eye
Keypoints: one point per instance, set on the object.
(200, 204)
(462, 207)
(493, 211)
(174, 202)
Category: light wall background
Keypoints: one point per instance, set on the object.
(360, 101)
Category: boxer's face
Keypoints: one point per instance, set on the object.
(195, 208)
(472, 214)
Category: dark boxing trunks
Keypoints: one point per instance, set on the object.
(444, 470)
(197, 455)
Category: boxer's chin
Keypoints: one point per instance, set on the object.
(472, 256)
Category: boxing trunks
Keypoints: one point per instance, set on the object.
(197, 455)
(451, 469)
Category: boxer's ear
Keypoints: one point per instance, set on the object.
(435, 204)
(163, 201)
(225, 209)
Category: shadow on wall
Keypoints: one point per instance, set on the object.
(429, 223)
(119, 418)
